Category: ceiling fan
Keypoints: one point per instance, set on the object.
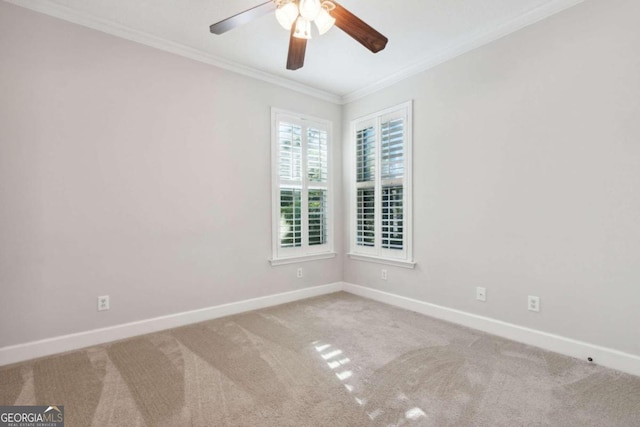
(296, 16)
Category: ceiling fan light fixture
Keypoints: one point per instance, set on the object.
(286, 15)
(309, 9)
(303, 29)
(300, 31)
(324, 21)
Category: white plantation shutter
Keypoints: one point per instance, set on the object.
(392, 214)
(290, 153)
(290, 218)
(392, 172)
(290, 170)
(392, 150)
(317, 217)
(366, 154)
(365, 185)
(302, 207)
(317, 172)
(317, 150)
(365, 227)
(381, 201)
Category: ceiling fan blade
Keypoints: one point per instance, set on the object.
(242, 18)
(358, 29)
(297, 50)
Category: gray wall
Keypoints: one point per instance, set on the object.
(135, 173)
(527, 177)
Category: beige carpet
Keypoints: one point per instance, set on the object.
(337, 360)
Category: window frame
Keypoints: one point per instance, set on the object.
(377, 253)
(305, 252)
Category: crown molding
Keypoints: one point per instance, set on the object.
(67, 14)
(479, 39)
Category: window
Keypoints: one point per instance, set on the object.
(381, 187)
(302, 196)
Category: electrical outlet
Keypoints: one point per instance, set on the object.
(103, 303)
(533, 303)
(481, 294)
(299, 273)
(383, 275)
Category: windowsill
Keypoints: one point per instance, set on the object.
(301, 258)
(388, 261)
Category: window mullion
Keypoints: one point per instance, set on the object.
(290, 184)
(393, 182)
(318, 186)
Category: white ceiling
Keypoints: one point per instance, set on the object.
(422, 33)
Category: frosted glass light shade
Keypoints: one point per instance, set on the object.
(286, 15)
(309, 9)
(324, 21)
(303, 29)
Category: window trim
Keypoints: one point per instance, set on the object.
(305, 252)
(377, 253)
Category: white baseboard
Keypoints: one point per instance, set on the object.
(607, 357)
(46, 347)
(610, 358)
